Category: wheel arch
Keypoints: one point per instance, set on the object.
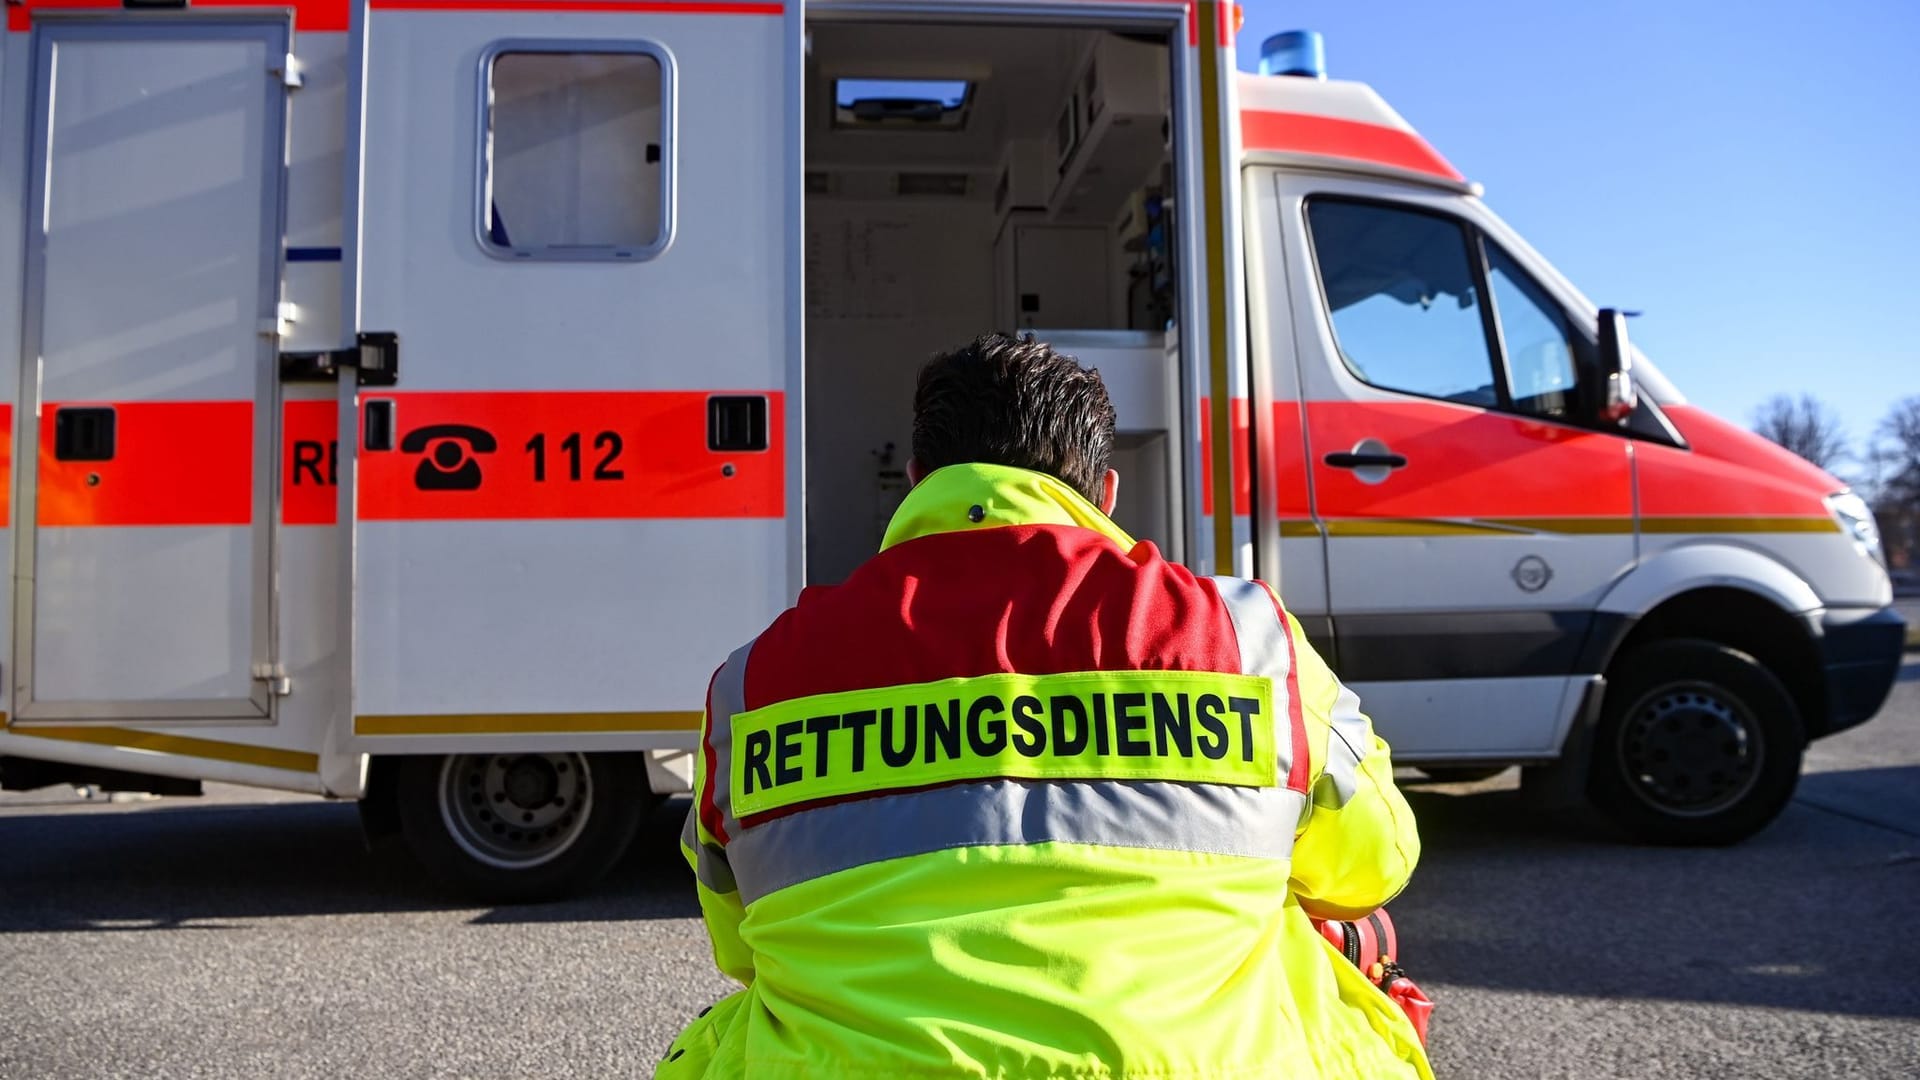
(1679, 571)
(1717, 592)
(1732, 596)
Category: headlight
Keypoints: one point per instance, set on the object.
(1856, 520)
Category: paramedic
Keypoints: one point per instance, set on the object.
(1021, 798)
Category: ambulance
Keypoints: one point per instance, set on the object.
(414, 400)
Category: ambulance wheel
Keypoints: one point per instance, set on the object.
(1697, 744)
(521, 827)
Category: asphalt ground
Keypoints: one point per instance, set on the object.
(1909, 609)
(250, 935)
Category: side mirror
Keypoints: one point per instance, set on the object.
(1617, 397)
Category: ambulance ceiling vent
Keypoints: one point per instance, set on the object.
(948, 184)
(901, 104)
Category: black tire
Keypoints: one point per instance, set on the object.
(1461, 774)
(521, 827)
(1697, 744)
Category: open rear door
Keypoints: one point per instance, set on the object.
(153, 241)
(581, 491)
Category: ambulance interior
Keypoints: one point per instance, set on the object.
(962, 178)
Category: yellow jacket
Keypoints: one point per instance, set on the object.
(1022, 799)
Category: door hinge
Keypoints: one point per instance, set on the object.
(275, 676)
(285, 315)
(290, 73)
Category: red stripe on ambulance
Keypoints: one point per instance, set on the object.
(309, 462)
(6, 465)
(1242, 476)
(174, 463)
(537, 455)
(1284, 479)
(1332, 136)
(621, 7)
(1726, 471)
(1465, 462)
(312, 16)
(324, 16)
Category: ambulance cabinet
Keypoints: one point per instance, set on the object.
(1112, 133)
(1052, 275)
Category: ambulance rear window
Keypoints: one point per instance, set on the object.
(575, 153)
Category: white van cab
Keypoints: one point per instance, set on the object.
(414, 400)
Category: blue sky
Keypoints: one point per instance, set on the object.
(1745, 174)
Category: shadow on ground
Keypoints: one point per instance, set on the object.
(182, 866)
(1814, 913)
(1810, 914)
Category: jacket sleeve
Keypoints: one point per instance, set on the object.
(1357, 843)
(706, 853)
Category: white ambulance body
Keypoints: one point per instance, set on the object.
(416, 399)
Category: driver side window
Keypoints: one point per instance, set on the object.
(1401, 291)
(1423, 303)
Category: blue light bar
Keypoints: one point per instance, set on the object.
(1295, 52)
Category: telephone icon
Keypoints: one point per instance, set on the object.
(451, 466)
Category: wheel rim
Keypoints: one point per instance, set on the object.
(1690, 749)
(515, 811)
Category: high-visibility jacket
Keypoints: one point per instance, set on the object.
(1021, 798)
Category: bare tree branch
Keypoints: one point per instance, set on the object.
(1896, 455)
(1805, 425)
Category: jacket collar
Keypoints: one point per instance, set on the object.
(944, 501)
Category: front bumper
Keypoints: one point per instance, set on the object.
(1860, 655)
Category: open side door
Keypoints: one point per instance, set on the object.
(1222, 535)
(580, 221)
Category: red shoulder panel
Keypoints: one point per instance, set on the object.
(1038, 600)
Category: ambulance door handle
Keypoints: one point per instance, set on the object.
(376, 424)
(1345, 460)
(1371, 460)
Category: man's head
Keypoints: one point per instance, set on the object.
(1014, 401)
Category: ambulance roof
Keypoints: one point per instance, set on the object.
(1344, 125)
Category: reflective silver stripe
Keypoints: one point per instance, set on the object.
(1264, 650)
(1207, 818)
(727, 699)
(710, 863)
(1256, 623)
(1345, 750)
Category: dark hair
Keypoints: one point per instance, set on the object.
(1001, 400)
